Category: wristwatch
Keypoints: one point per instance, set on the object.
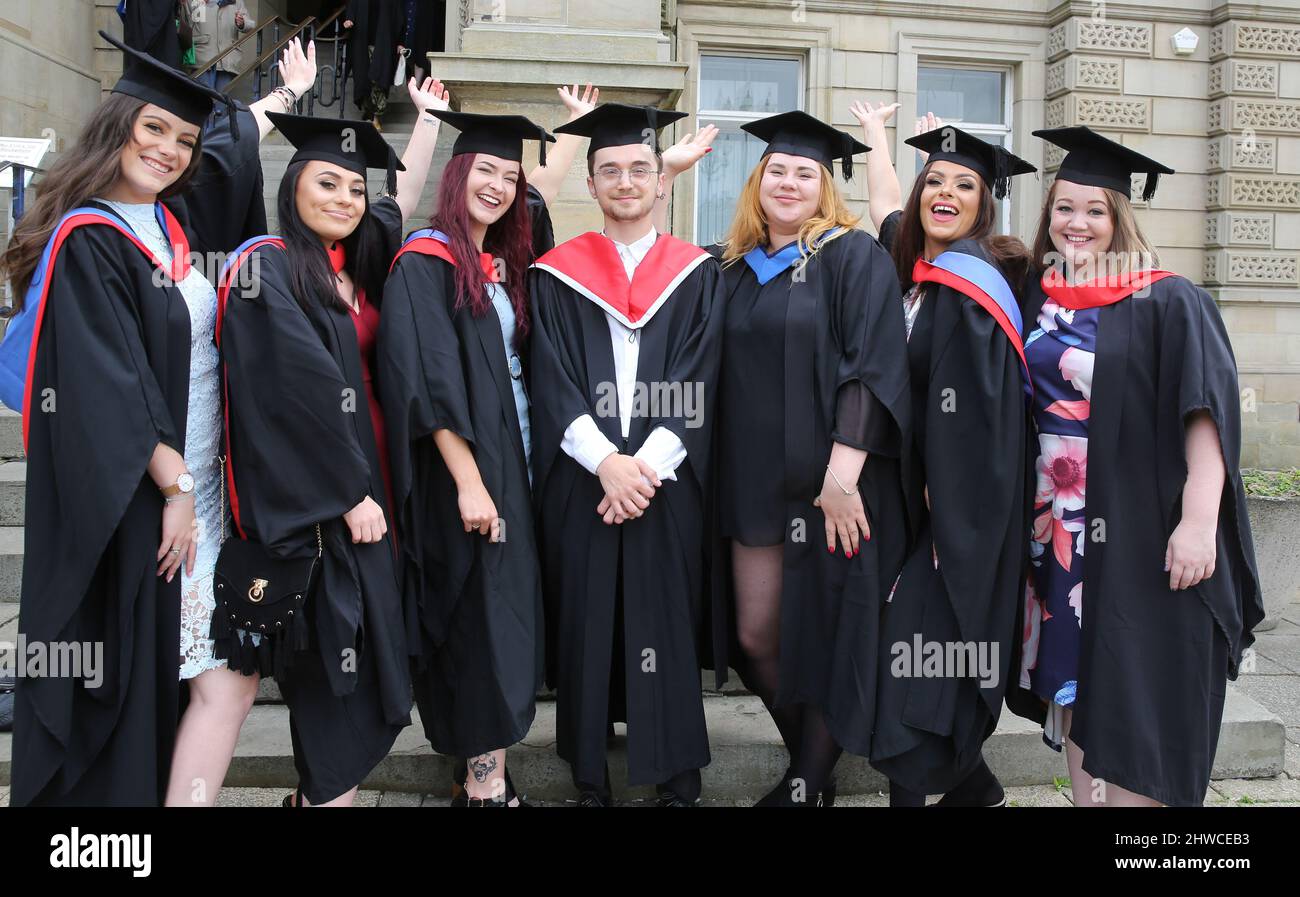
(184, 485)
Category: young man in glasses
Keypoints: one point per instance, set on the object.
(627, 325)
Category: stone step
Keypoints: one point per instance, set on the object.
(11, 563)
(11, 433)
(13, 492)
(747, 754)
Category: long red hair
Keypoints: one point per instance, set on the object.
(509, 239)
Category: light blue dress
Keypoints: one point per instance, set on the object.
(506, 314)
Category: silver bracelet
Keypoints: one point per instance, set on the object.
(838, 483)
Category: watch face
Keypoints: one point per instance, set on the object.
(186, 482)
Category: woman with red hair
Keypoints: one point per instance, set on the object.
(450, 369)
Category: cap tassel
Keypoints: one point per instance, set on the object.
(1001, 174)
(232, 113)
(390, 183)
(541, 149)
(1149, 189)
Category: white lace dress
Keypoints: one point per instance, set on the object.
(202, 446)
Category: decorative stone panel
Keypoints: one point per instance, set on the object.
(1229, 151)
(1273, 269)
(1233, 76)
(1114, 37)
(1260, 40)
(1105, 113)
(1238, 229)
(1056, 44)
(1254, 191)
(1084, 73)
(1240, 114)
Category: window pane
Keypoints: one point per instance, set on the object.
(721, 178)
(758, 85)
(959, 95)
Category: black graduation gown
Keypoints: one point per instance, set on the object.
(114, 353)
(303, 453)
(1153, 664)
(970, 446)
(150, 26)
(844, 326)
(477, 606)
(652, 566)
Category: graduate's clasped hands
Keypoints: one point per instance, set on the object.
(629, 484)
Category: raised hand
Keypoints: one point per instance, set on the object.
(683, 154)
(577, 105)
(872, 116)
(298, 68)
(428, 95)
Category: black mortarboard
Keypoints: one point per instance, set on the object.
(618, 124)
(355, 145)
(145, 78)
(799, 134)
(1098, 161)
(990, 161)
(496, 135)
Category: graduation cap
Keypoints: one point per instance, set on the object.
(994, 163)
(618, 124)
(355, 145)
(145, 78)
(799, 134)
(496, 135)
(1098, 161)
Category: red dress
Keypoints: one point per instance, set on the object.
(366, 321)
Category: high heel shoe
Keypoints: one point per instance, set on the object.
(294, 799)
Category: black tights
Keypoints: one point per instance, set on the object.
(757, 574)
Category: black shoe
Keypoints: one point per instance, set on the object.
(828, 794)
(293, 800)
(673, 799)
(594, 799)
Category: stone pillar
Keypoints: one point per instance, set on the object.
(1252, 225)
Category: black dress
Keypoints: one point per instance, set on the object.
(303, 452)
(970, 447)
(110, 381)
(826, 349)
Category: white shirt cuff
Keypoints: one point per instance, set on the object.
(663, 451)
(584, 443)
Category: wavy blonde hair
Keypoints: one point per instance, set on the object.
(749, 226)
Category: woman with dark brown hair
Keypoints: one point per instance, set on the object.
(957, 596)
(1136, 463)
(110, 359)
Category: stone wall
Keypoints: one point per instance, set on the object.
(1226, 117)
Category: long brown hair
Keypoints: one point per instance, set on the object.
(749, 226)
(1008, 253)
(1127, 242)
(89, 169)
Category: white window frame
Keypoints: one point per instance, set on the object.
(730, 116)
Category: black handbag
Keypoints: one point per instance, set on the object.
(259, 622)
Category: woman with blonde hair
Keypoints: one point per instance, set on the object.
(1139, 497)
(812, 420)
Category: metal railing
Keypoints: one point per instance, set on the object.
(274, 35)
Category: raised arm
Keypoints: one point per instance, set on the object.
(678, 158)
(559, 158)
(298, 72)
(884, 194)
(419, 151)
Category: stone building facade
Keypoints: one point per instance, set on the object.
(1211, 88)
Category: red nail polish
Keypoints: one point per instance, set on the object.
(830, 548)
(847, 553)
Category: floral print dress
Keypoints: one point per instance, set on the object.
(1060, 352)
